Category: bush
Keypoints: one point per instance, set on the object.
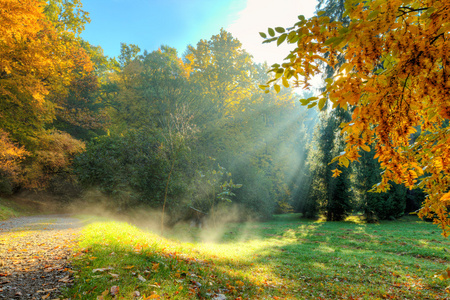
(130, 168)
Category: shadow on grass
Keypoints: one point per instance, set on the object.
(287, 258)
(342, 259)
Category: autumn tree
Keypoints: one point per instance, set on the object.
(222, 71)
(147, 88)
(39, 55)
(11, 155)
(395, 75)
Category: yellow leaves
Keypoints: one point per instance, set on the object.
(128, 267)
(370, 89)
(444, 275)
(336, 172)
(393, 76)
(438, 164)
(240, 283)
(365, 148)
(343, 160)
(445, 197)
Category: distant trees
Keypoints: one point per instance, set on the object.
(393, 77)
(159, 130)
(202, 111)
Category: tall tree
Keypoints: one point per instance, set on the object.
(328, 195)
(332, 193)
(148, 88)
(396, 77)
(37, 58)
(222, 70)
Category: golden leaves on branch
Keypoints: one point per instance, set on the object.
(10, 156)
(35, 57)
(55, 154)
(395, 78)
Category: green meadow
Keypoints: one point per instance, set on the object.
(286, 258)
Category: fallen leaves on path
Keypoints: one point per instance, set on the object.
(33, 256)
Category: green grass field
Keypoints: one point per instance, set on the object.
(286, 258)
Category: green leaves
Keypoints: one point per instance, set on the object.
(277, 88)
(272, 33)
(322, 102)
(281, 39)
(307, 101)
(334, 40)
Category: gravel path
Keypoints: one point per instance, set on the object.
(34, 254)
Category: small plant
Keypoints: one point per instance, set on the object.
(214, 186)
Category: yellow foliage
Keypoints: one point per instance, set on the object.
(57, 149)
(36, 59)
(396, 77)
(10, 156)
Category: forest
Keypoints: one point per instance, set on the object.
(164, 131)
(220, 177)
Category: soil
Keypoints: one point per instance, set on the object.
(34, 253)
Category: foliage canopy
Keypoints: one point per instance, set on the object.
(395, 81)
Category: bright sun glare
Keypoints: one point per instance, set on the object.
(261, 14)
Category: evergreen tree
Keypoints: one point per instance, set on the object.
(329, 196)
(377, 206)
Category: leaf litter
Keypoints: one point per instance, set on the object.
(34, 253)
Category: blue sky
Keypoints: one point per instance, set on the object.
(178, 23)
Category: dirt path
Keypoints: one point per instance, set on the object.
(33, 256)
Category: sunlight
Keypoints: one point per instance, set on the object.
(260, 14)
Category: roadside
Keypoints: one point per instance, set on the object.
(34, 253)
(27, 203)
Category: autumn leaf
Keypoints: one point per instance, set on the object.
(102, 269)
(336, 172)
(128, 267)
(155, 266)
(114, 290)
(446, 197)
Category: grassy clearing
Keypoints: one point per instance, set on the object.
(286, 258)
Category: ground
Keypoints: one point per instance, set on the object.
(34, 256)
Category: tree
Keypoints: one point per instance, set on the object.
(396, 77)
(376, 206)
(10, 157)
(222, 70)
(329, 195)
(40, 56)
(148, 88)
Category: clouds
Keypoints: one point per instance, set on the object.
(261, 14)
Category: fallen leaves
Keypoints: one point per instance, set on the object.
(155, 266)
(102, 269)
(114, 290)
(35, 261)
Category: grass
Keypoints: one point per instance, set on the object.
(10, 209)
(286, 258)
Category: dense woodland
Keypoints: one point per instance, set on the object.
(162, 130)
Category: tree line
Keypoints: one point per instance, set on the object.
(167, 131)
